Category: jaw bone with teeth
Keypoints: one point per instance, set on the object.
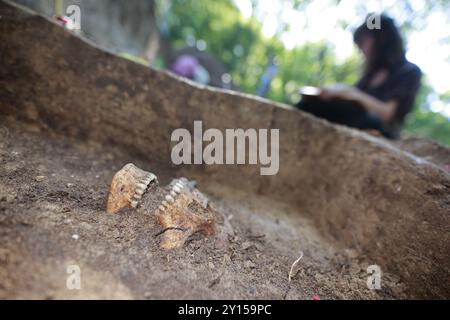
(180, 208)
(127, 187)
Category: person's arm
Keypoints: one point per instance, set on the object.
(385, 110)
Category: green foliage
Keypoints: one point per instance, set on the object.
(428, 124)
(241, 46)
(311, 64)
(237, 43)
(424, 123)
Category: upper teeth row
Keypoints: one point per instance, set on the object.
(177, 188)
(141, 187)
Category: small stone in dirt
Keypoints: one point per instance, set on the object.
(246, 245)
(75, 237)
(211, 265)
(249, 264)
(351, 253)
(85, 225)
(69, 185)
(214, 282)
(10, 198)
(40, 178)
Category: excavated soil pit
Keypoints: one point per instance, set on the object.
(71, 115)
(52, 188)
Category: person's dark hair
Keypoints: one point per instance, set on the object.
(389, 50)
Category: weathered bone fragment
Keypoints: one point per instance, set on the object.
(180, 208)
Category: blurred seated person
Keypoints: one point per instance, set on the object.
(189, 67)
(386, 92)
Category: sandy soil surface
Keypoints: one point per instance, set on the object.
(427, 149)
(52, 215)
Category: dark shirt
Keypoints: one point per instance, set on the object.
(401, 85)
